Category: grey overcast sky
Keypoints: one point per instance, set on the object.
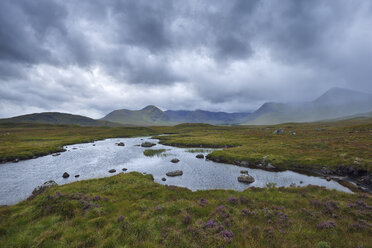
(90, 57)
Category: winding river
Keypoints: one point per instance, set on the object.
(17, 180)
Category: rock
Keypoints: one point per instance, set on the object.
(270, 166)
(325, 171)
(40, 189)
(16, 160)
(121, 144)
(244, 163)
(65, 175)
(245, 179)
(278, 131)
(200, 156)
(56, 154)
(164, 179)
(112, 171)
(147, 144)
(175, 160)
(77, 176)
(174, 173)
(94, 144)
(244, 172)
(328, 179)
(301, 182)
(124, 169)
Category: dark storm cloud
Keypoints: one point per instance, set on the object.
(219, 55)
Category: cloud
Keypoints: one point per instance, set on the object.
(90, 57)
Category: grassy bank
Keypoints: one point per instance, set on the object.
(27, 140)
(130, 210)
(307, 145)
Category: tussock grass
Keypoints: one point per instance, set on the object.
(153, 152)
(130, 210)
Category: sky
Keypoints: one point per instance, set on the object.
(90, 57)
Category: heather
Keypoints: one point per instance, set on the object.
(130, 210)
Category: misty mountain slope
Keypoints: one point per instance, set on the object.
(147, 116)
(335, 103)
(56, 118)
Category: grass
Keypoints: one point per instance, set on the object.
(130, 210)
(328, 144)
(153, 152)
(27, 140)
(315, 145)
(199, 150)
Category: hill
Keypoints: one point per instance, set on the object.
(153, 116)
(56, 118)
(335, 103)
(148, 116)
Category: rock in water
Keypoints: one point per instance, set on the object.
(112, 171)
(147, 144)
(164, 179)
(124, 169)
(245, 179)
(174, 173)
(200, 156)
(244, 172)
(77, 176)
(40, 189)
(65, 175)
(121, 144)
(175, 160)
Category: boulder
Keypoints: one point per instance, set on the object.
(65, 175)
(270, 166)
(124, 169)
(200, 156)
(245, 179)
(175, 160)
(112, 171)
(40, 189)
(77, 176)
(278, 131)
(16, 160)
(164, 179)
(147, 144)
(244, 172)
(56, 154)
(121, 144)
(174, 173)
(328, 179)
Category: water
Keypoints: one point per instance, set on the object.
(17, 180)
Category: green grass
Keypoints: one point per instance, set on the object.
(87, 214)
(329, 144)
(153, 152)
(27, 140)
(199, 150)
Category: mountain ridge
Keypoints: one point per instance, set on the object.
(336, 103)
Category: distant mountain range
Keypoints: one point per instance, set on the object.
(336, 103)
(152, 115)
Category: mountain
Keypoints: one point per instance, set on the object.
(335, 103)
(148, 116)
(152, 115)
(56, 118)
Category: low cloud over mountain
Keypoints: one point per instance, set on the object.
(89, 57)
